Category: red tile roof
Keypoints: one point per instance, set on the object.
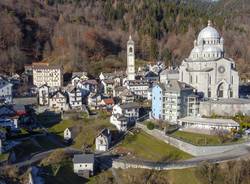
(108, 101)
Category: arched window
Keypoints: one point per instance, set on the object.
(209, 93)
(220, 91)
(130, 49)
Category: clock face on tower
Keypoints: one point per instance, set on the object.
(221, 69)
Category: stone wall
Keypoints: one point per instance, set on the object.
(126, 164)
(190, 148)
(208, 108)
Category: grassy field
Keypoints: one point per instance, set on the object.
(182, 176)
(88, 129)
(197, 139)
(144, 146)
(203, 139)
(128, 176)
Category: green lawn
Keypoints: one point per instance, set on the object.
(88, 129)
(197, 139)
(143, 146)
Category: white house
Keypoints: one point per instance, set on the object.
(209, 125)
(94, 100)
(108, 86)
(43, 95)
(77, 77)
(5, 91)
(75, 97)
(120, 122)
(84, 164)
(124, 115)
(59, 101)
(103, 140)
(88, 86)
(70, 133)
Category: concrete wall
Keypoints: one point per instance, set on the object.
(190, 148)
(224, 109)
(125, 164)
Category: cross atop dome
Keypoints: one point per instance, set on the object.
(209, 23)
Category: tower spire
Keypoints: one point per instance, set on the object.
(209, 23)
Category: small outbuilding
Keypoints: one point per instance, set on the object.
(70, 133)
(84, 164)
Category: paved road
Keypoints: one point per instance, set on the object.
(194, 162)
(40, 156)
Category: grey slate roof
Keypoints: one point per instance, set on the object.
(129, 105)
(83, 158)
(175, 86)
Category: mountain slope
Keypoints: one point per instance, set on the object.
(91, 35)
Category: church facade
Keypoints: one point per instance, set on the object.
(208, 70)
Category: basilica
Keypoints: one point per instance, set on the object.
(207, 69)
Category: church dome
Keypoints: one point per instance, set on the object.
(212, 49)
(196, 50)
(208, 33)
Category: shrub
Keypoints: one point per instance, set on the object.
(150, 126)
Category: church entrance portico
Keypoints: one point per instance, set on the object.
(222, 90)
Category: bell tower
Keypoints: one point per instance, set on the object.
(130, 59)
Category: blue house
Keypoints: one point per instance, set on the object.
(157, 99)
(170, 101)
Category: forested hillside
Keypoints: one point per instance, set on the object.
(91, 34)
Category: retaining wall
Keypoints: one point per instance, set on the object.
(190, 148)
(123, 164)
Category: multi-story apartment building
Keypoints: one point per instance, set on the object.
(169, 100)
(193, 103)
(43, 73)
